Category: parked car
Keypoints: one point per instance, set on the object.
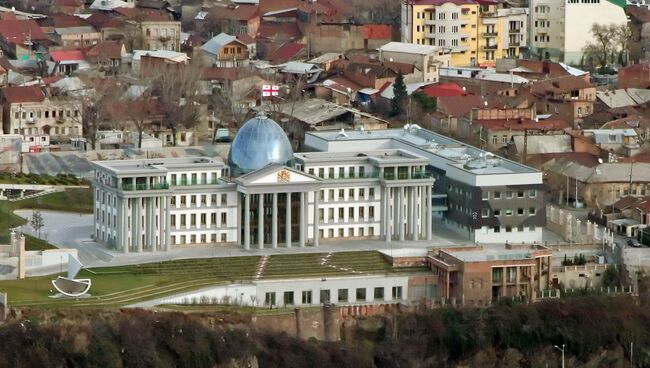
(633, 243)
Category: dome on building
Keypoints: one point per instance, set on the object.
(261, 141)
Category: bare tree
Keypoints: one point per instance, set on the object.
(223, 105)
(624, 38)
(177, 91)
(604, 48)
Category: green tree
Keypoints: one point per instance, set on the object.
(400, 95)
(611, 277)
(426, 103)
(37, 222)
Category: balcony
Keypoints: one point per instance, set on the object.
(430, 22)
(430, 35)
(514, 44)
(490, 34)
(489, 47)
(155, 186)
(30, 120)
(514, 30)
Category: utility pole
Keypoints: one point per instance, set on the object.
(524, 157)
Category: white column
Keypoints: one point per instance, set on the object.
(247, 221)
(316, 219)
(168, 225)
(287, 225)
(138, 224)
(409, 212)
(400, 214)
(274, 225)
(395, 211)
(415, 217)
(303, 220)
(382, 214)
(386, 213)
(429, 222)
(260, 221)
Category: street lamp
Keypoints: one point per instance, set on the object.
(562, 350)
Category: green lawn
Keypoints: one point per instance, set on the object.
(20, 178)
(123, 285)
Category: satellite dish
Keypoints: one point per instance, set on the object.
(600, 160)
(13, 9)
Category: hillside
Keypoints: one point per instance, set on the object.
(597, 333)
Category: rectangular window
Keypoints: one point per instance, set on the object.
(497, 195)
(397, 292)
(497, 229)
(343, 295)
(532, 193)
(520, 211)
(325, 296)
(269, 299)
(509, 212)
(361, 294)
(288, 298)
(508, 194)
(379, 293)
(520, 194)
(532, 210)
(497, 213)
(485, 195)
(306, 297)
(485, 212)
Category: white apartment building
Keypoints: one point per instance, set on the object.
(427, 59)
(264, 197)
(560, 29)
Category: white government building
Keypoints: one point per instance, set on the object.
(358, 185)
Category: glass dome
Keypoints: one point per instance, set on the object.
(261, 141)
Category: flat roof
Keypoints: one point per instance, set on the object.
(492, 254)
(162, 165)
(460, 155)
(387, 156)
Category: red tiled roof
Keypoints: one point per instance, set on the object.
(127, 12)
(443, 89)
(581, 158)
(286, 52)
(458, 105)
(156, 17)
(105, 50)
(16, 31)
(245, 38)
(101, 21)
(643, 205)
(377, 31)
(62, 20)
(7, 16)
(75, 3)
(560, 85)
(67, 55)
(51, 79)
(17, 94)
(284, 30)
(236, 12)
(521, 124)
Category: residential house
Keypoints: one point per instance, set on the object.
(287, 52)
(22, 39)
(536, 69)
(619, 141)
(225, 50)
(150, 62)
(497, 134)
(427, 59)
(233, 19)
(72, 38)
(68, 61)
(156, 31)
(110, 27)
(34, 111)
(106, 56)
(452, 116)
(569, 98)
(343, 36)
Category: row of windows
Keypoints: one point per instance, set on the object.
(201, 199)
(346, 231)
(351, 194)
(485, 212)
(184, 179)
(351, 212)
(543, 23)
(49, 130)
(508, 229)
(532, 193)
(201, 219)
(200, 239)
(343, 296)
(46, 113)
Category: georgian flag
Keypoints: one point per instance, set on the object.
(270, 90)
